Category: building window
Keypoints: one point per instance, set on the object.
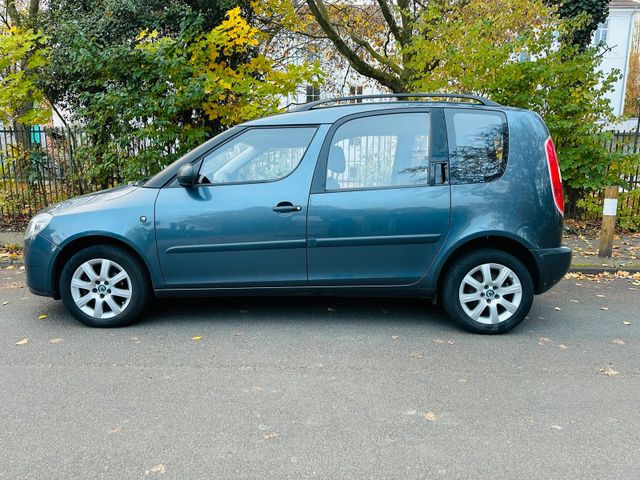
(355, 90)
(524, 57)
(600, 37)
(313, 93)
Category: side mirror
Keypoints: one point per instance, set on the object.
(186, 175)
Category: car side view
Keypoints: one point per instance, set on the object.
(448, 197)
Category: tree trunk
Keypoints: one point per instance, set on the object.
(573, 195)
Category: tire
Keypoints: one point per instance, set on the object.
(114, 299)
(490, 309)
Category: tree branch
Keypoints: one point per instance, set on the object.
(391, 21)
(380, 58)
(319, 11)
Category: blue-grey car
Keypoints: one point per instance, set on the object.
(459, 201)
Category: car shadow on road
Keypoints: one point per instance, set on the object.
(288, 310)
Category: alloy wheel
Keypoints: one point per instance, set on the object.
(490, 293)
(101, 288)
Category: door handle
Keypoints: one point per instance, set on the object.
(286, 207)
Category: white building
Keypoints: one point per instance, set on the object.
(617, 33)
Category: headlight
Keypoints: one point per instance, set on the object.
(37, 224)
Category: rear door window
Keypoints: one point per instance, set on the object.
(478, 145)
(379, 151)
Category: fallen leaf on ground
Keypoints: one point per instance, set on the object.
(42, 317)
(197, 337)
(431, 416)
(24, 341)
(56, 340)
(618, 341)
(159, 469)
(270, 435)
(417, 355)
(609, 372)
(116, 429)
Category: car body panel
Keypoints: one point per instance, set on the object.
(228, 235)
(377, 237)
(115, 214)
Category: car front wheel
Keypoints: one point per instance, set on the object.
(104, 286)
(487, 291)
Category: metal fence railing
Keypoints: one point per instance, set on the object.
(626, 144)
(42, 165)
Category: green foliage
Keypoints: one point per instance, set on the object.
(146, 96)
(596, 11)
(22, 56)
(523, 67)
(568, 90)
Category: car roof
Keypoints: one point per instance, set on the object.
(334, 113)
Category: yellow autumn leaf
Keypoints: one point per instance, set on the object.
(431, 416)
(197, 337)
(42, 317)
(24, 341)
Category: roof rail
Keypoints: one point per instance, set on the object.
(354, 98)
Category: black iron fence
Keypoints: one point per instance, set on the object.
(42, 166)
(627, 146)
(39, 167)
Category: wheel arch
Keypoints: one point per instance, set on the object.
(496, 242)
(74, 245)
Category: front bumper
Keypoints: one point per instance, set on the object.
(553, 264)
(39, 254)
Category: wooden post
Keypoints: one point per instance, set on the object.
(608, 222)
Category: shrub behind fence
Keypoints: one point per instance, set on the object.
(43, 167)
(39, 168)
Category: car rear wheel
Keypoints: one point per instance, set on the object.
(104, 286)
(487, 291)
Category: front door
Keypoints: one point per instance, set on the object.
(244, 223)
(380, 206)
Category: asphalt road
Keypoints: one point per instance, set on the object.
(322, 388)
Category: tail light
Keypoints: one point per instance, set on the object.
(555, 175)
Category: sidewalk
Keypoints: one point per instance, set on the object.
(626, 252)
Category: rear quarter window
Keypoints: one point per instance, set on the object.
(478, 145)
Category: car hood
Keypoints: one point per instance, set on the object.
(91, 200)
